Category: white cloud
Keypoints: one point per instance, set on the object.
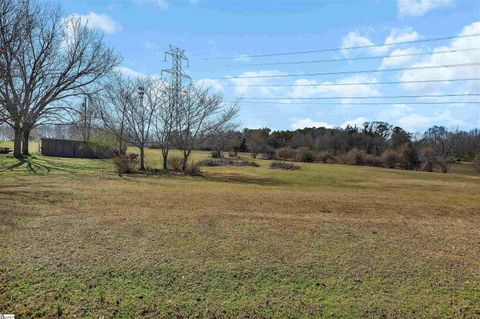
(302, 123)
(336, 90)
(241, 86)
(307, 122)
(394, 112)
(98, 21)
(129, 72)
(415, 122)
(439, 58)
(355, 39)
(358, 122)
(406, 117)
(162, 4)
(419, 7)
(399, 57)
(210, 83)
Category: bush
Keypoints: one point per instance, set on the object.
(227, 162)
(233, 154)
(389, 158)
(217, 154)
(304, 154)
(354, 157)
(324, 157)
(268, 153)
(427, 155)
(372, 160)
(126, 163)
(175, 163)
(193, 169)
(285, 166)
(286, 154)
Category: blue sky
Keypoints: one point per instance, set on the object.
(141, 31)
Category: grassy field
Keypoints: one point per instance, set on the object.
(330, 241)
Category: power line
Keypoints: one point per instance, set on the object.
(352, 59)
(362, 97)
(352, 84)
(346, 72)
(345, 48)
(365, 103)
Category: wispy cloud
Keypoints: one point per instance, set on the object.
(419, 7)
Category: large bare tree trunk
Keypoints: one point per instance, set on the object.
(142, 158)
(25, 137)
(165, 160)
(17, 143)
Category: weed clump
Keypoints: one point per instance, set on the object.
(227, 162)
(284, 166)
(126, 163)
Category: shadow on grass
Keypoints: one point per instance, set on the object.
(33, 164)
(242, 179)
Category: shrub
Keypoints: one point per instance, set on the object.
(193, 169)
(268, 153)
(217, 154)
(286, 154)
(354, 157)
(304, 154)
(175, 163)
(372, 160)
(324, 157)
(285, 166)
(389, 158)
(233, 154)
(227, 162)
(427, 158)
(126, 163)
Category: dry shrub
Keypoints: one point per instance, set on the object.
(126, 163)
(226, 162)
(372, 160)
(285, 166)
(428, 157)
(325, 157)
(389, 158)
(193, 169)
(304, 154)
(286, 154)
(354, 157)
(175, 163)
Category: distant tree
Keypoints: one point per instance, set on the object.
(256, 140)
(442, 141)
(399, 137)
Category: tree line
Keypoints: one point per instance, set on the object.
(375, 143)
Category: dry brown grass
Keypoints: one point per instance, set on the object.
(328, 240)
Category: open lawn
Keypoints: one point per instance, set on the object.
(330, 241)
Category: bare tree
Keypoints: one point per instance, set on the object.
(442, 140)
(50, 59)
(128, 111)
(200, 115)
(164, 122)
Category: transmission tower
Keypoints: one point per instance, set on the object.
(177, 78)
